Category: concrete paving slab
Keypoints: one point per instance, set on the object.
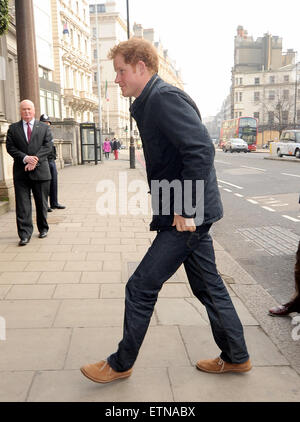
(174, 290)
(112, 291)
(243, 313)
(60, 277)
(34, 349)
(31, 292)
(162, 347)
(229, 267)
(68, 256)
(33, 256)
(29, 313)
(261, 384)
(112, 266)
(200, 344)
(177, 312)
(77, 291)
(14, 385)
(90, 313)
(101, 277)
(144, 385)
(83, 266)
(103, 256)
(4, 257)
(19, 277)
(3, 290)
(43, 265)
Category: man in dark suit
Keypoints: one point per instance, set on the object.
(29, 143)
(53, 170)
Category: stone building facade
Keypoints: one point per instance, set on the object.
(72, 58)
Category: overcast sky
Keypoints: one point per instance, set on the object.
(199, 35)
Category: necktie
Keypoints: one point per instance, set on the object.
(28, 132)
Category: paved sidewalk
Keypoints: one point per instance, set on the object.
(62, 298)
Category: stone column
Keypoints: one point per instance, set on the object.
(27, 58)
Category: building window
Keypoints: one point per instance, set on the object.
(271, 95)
(256, 115)
(256, 81)
(285, 116)
(236, 115)
(285, 94)
(236, 81)
(241, 97)
(100, 8)
(78, 41)
(94, 31)
(256, 96)
(92, 8)
(271, 117)
(241, 81)
(272, 79)
(286, 78)
(95, 54)
(50, 103)
(236, 97)
(240, 114)
(95, 77)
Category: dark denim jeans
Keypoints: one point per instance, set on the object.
(168, 251)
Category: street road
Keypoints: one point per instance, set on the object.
(261, 224)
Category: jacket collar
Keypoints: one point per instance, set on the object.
(144, 95)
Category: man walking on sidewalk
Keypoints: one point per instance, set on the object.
(177, 149)
(294, 303)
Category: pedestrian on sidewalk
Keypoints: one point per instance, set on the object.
(29, 142)
(294, 303)
(53, 170)
(115, 147)
(178, 149)
(106, 148)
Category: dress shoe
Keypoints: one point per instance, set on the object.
(219, 366)
(284, 310)
(43, 234)
(50, 209)
(24, 241)
(103, 373)
(58, 207)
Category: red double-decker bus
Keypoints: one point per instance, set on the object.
(243, 127)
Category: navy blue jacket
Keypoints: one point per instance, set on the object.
(176, 146)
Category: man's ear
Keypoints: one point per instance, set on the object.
(141, 67)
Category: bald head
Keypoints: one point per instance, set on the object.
(27, 110)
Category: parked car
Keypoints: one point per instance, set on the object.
(289, 143)
(235, 144)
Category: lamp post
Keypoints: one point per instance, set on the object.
(98, 77)
(131, 147)
(296, 88)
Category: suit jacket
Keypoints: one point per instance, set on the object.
(40, 145)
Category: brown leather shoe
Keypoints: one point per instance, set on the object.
(102, 372)
(284, 310)
(219, 366)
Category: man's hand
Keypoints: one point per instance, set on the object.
(184, 224)
(30, 167)
(31, 159)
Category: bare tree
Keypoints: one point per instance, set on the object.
(280, 110)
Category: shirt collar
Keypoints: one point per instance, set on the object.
(31, 122)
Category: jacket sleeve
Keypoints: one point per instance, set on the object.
(46, 147)
(11, 148)
(182, 126)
